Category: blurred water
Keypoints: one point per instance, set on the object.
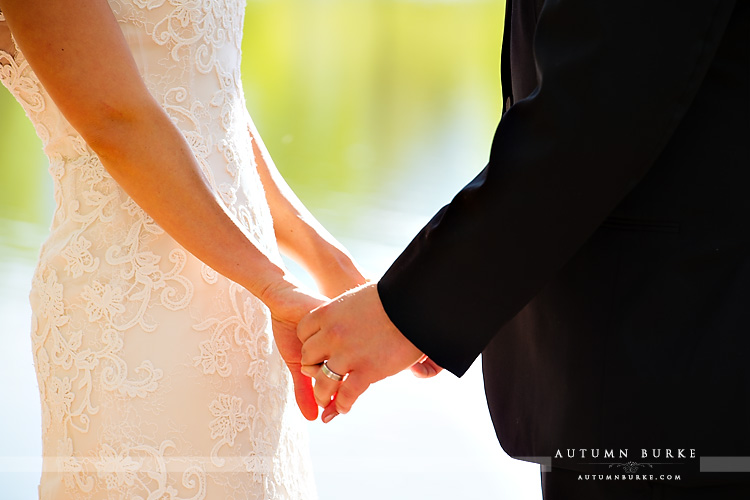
(376, 112)
(20, 416)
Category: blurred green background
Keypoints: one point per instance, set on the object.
(363, 104)
(376, 113)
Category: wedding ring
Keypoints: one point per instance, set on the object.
(330, 373)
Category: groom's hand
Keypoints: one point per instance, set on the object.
(426, 368)
(288, 304)
(356, 337)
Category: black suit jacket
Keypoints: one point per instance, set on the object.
(601, 261)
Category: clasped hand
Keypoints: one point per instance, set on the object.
(353, 335)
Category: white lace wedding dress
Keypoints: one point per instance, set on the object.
(159, 378)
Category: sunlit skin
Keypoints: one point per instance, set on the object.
(6, 42)
(353, 332)
(86, 66)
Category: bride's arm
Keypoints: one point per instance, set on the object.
(300, 235)
(77, 50)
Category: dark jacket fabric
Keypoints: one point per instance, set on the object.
(601, 260)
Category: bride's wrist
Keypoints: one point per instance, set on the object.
(264, 281)
(277, 285)
(325, 259)
(337, 273)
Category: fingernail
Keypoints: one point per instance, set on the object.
(419, 370)
(329, 417)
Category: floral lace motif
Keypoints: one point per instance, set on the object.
(158, 377)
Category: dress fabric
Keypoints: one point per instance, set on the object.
(158, 377)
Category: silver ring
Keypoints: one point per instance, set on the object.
(330, 373)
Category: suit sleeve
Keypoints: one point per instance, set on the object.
(615, 80)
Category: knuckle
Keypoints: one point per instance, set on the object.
(336, 332)
(322, 397)
(342, 407)
(350, 392)
(344, 393)
(301, 330)
(305, 357)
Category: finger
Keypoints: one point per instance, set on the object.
(433, 366)
(315, 349)
(310, 370)
(325, 388)
(350, 389)
(419, 370)
(329, 413)
(303, 393)
(425, 369)
(308, 326)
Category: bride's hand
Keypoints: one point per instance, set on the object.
(289, 303)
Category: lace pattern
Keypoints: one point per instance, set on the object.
(158, 377)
